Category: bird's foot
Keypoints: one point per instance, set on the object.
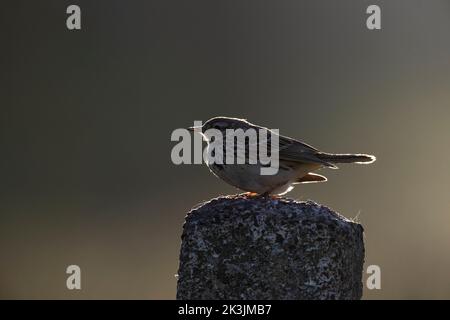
(265, 195)
(268, 195)
(251, 194)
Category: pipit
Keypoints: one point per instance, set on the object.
(297, 160)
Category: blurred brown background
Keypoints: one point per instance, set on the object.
(86, 118)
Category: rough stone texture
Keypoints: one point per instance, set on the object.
(237, 247)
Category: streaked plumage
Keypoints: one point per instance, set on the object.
(297, 161)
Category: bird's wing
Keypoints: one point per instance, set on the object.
(289, 149)
(294, 150)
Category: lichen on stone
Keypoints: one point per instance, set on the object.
(240, 247)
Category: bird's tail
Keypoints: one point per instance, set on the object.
(346, 158)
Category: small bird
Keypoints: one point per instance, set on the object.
(297, 160)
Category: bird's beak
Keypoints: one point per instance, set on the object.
(195, 129)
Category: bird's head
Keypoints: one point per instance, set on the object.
(221, 124)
